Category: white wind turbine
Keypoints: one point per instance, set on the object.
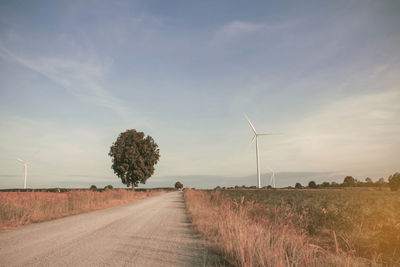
(26, 166)
(272, 179)
(25, 170)
(256, 135)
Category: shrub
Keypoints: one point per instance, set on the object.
(93, 187)
(349, 181)
(178, 185)
(312, 184)
(298, 186)
(394, 181)
(110, 187)
(325, 184)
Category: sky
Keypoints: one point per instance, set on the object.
(75, 74)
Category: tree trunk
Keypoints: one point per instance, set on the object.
(133, 187)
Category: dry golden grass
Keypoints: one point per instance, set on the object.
(238, 232)
(365, 221)
(21, 208)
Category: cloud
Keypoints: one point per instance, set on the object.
(248, 31)
(80, 78)
(234, 31)
(238, 27)
(357, 135)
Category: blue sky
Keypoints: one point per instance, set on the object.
(74, 74)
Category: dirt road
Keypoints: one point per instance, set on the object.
(152, 232)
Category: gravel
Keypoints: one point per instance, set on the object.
(152, 232)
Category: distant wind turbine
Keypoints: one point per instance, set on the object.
(272, 179)
(256, 135)
(26, 166)
(25, 170)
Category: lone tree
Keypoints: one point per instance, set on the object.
(349, 181)
(93, 187)
(312, 184)
(394, 181)
(298, 186)
(178, 185)
(133, 157)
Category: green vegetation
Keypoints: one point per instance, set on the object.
(312, 184)
(298, 186)
(394, 181)
(93, 187)
(178, 185)
(364, 221)
(133, 157)
(108, 187)
(350, 181)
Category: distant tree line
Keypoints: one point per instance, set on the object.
(393, 182)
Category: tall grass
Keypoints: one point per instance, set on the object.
(20, 208)
(366, 221)
(240, 232)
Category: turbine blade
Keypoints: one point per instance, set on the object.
(33, 155)
(251, 125)
(269, 133)
(20, 160)
(252, 140)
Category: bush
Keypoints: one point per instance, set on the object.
(312, 184)
(349, 181)
(325, 184)
(178, 185)
(110, 187)
(394, 181)
(298, 186)
(93, 187)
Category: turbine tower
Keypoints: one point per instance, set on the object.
(256, 135)
(272, 179)
(25, 170)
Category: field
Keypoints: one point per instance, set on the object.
(20, 208)
(327, 227)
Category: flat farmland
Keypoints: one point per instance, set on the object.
(334, 227)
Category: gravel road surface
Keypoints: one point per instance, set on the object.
(152, 232)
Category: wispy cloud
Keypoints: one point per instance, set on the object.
(238, 27)
(80, 78)
(357, 134)
(237, 30)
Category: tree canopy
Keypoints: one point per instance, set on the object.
(178, 185)
(312, 184)
(133, 157)
(394, 181)
(349, 181)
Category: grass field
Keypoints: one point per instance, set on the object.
(20, 208)
(328, 227)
